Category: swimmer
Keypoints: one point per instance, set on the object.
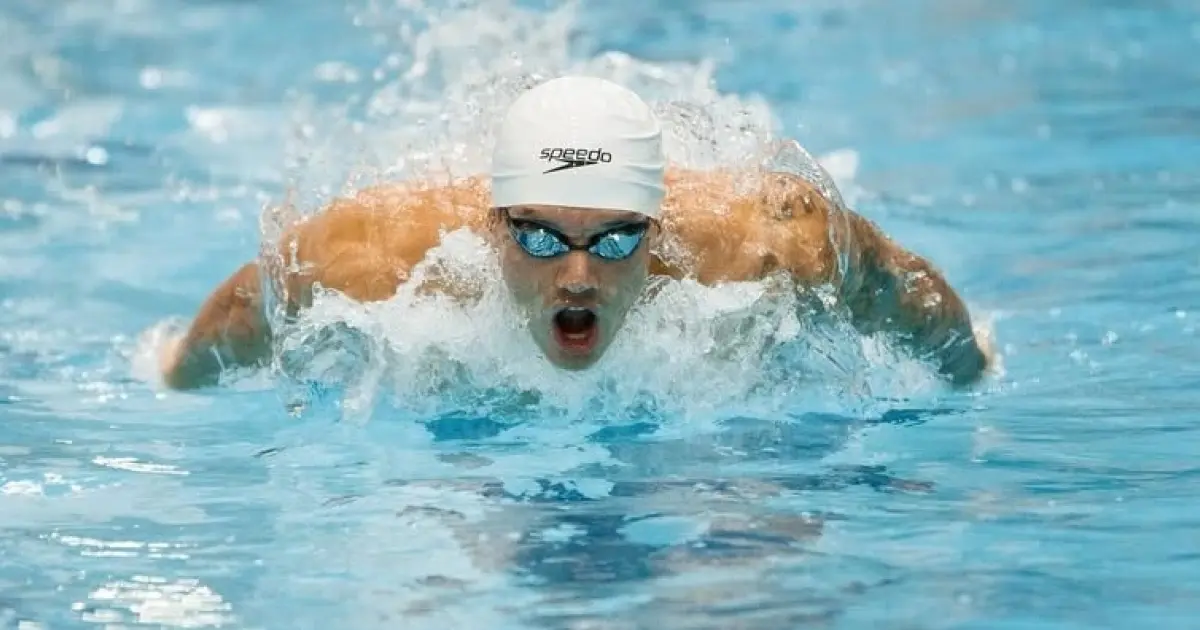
(581, 206)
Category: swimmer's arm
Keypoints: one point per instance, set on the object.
(894, 291)
(229, 330)
(344, 248)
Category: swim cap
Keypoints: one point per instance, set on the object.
(579, 142)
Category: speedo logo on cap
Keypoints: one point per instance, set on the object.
(573, 158)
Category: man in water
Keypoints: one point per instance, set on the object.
(582, 210)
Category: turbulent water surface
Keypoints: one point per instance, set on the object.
(426, 469)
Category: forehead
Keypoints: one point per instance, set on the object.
(575, 217)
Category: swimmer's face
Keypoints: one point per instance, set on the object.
(577, 299)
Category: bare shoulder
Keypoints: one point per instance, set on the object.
(364, 245)
(741, 225)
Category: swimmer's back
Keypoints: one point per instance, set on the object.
(365, 245)
(728, 226)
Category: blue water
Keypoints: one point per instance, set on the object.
(1043, 154)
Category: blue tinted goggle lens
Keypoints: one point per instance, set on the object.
(542, 242)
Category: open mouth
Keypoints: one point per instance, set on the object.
(575, 329)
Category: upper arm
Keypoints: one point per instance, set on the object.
(821, 243)
(897, 291)
(888, 286)
(787, 224)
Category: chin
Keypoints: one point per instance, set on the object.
(572, 362)
(571, 359)
(572, 365)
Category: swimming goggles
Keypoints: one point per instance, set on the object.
(541, 241)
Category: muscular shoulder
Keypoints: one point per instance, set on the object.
(366, 244)
(741, 225)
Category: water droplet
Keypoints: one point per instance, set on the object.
(151, 78)
(96, 156)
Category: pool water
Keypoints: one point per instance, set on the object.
(1043, 154)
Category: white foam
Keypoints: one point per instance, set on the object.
(145, 358)
(692, 353)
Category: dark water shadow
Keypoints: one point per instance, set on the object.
(739, 518)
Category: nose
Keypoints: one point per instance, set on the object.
(575, 277)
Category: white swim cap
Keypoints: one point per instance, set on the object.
(579, 142)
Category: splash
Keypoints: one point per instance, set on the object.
(690, 355)
(686, 350)
(690, 352)
(432, 103)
